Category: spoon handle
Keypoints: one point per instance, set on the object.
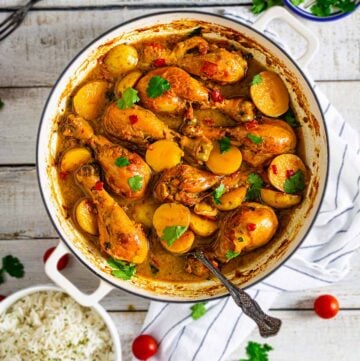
(268, 326)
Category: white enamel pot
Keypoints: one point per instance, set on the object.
(257, 265)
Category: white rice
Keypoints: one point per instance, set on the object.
(51, 326)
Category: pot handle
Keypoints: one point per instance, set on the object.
(83, 299)
(278, 12)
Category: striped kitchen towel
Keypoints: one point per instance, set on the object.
(322, 259)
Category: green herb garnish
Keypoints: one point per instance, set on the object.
(12, 266)
(198, 310)
(231, 254)
(289, 117)
(172, 233)
(254, 138)
(121, 269)
(257, 352)
(261, 5)
(128, 99)
(224, 145)
(295, 183)
(135, 183)
(256, 183)
(323, 8)
(195, 32)
(218, 192)
(121, 162)
(297, 2)
(157, 86)
(1, 104)
(257, 79)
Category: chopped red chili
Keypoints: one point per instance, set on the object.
(289, 173)
(2, 297)
(159, 62)
(99, 185)
(251, 125)
(133, 119)
(208, 68)
(216, 96)
(251, 227)
(63, 175)
(274, 169)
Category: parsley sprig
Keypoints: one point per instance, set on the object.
(157, 86)
(218, 192)
(128, 99)
(135, 183)
(172, 233)
(256, 182)
(289, 117)
(257, 352)
(295, 183)
(121, 162)
(257, 79)
(254, 138)
(198, 310)
(224, 144)
(231, 254)
(121, 269)
(12, 266)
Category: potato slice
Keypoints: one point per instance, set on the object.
(269, 94)
(281, 167)
(181, 245)
(85, 214)
(224, 163)
(201, 226)
(143, 212)
(278, 199)
(74, 158)
(90, 99)
(121, 59)
(232, 199)
(206, 210)
(128, 81)
(163, 154)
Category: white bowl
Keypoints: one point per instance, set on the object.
(10, 300)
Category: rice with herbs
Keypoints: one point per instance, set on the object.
(51, 326)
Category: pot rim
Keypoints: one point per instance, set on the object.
(185, 12)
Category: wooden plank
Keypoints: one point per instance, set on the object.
(31, 251)
(47, 40)
(21, 114)
(303, 336)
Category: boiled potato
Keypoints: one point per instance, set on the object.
(143, 212)
(181, 245)
(128, 81)
(121, 59)
(74, 158)
(224, 163)
(269, 94)
(170, 214)
(90, 99)
(232, 199)
(206, 210)
(85, 214)
(163, 154)
(280, 168)
(278, 199)
(201, 226)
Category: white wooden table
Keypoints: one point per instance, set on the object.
(30, 61)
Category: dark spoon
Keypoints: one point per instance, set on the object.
(268, 326)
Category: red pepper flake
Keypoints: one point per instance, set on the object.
(274, 169)
(99, 185)
(209, 121)
(133, 119)
(251, 227)
(251, 125)
(209, 69)
(216, 96)
(159, 62)
(289, 173)
(63, 261)
(2, 297)
(63, 175)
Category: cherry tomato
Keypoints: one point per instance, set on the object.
(2, 297)
(326, 306)
(144, 347)
(63, 261)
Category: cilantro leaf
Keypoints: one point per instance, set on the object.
(218, 192)
(257, 79)
(121, 269)
(231, 254)
(261, 5)
(289, 117)
(224, 145)
(157, 86)
(12, 266)
(121, 162)
(172, 233)
(257, 352)
(254, 138)
(1, 104)
(297, 2)
(128, 99)
(256, 182)
(295, 183)
(135, 183)
(198, 310)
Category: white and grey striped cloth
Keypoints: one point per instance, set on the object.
(322, 259)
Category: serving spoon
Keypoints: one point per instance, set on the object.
(268, 326)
